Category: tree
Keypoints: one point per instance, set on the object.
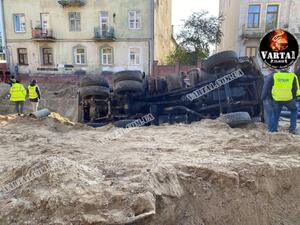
(198, 33)
(183, 56)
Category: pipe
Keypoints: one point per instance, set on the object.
(41, 113)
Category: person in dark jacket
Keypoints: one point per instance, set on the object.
(34, 94)
(284, 89)
(268, 102)
(12, 80)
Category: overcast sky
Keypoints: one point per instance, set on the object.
(183, 8)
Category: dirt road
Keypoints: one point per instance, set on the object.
(205, 173)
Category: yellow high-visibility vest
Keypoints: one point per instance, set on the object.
(283, 85)
(17, 92)
(298, 86)
(32, 92)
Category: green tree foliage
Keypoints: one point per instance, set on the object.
(184, 56)
(198, 33)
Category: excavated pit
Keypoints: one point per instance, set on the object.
(205, 173)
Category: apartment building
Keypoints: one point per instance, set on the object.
(75, 36)
(246, 22)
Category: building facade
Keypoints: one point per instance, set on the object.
(89, 36)
(246, 22)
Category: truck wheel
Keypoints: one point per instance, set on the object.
(128, 75)
(94, 91)
(236, 119)
(93, 80)
(129, 87)
(226, 60)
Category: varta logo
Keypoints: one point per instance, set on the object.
(279, 49)
(278, 55)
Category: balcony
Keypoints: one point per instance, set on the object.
(104, 35)
(69, 3)
(39, 34)
(252, 33)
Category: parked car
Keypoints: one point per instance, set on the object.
(134, 94)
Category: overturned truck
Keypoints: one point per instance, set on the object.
(225, 86)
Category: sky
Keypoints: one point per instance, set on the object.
(183, 8)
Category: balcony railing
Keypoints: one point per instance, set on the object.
(252, 33)
(67, 3)
(104, 35)
(39, 34)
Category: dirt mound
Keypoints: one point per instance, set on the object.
(54, 122)
(205, 173)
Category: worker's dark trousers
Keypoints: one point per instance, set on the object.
(269, 113)
(19, 107)
(292, 107)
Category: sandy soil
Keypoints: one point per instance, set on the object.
(205, 173)
(60, 98)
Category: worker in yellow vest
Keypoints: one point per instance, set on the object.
(285, 90)
(34, 95)
(18, 95)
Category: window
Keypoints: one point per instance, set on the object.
(47, 56)
(45, 22)
(251, 51)
(104, 23)
(134, 56)
(19, 23)
(107, 56)
(253, 16)
(74, 21)
(134, 20)
(79, 56)
(272, 17)
(22, 56)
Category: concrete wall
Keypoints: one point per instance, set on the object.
(66, 40)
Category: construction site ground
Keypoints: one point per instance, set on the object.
(205, 173)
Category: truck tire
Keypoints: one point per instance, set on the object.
(226, 60)
(236, 119)
(93, 80)
(128, 86)
(94, 91)
(135, 75)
